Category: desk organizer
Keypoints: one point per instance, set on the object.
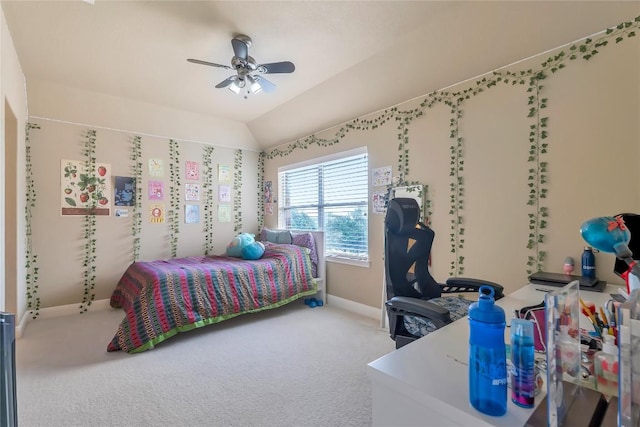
(629, 356)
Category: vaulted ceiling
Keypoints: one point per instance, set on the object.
(351, 57)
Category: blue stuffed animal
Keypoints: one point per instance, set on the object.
(253, 250)
(235, 246)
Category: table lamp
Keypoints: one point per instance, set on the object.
(610, 234)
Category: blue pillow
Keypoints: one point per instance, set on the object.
(252, 251)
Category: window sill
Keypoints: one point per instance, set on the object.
(348, 261)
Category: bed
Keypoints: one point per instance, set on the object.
(161, 298)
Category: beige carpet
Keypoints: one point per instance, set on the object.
(292, 366)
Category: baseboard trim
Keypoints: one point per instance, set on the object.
(65, 310)
(355, 307)
(58, 311)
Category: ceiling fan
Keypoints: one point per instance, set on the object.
(248, 78)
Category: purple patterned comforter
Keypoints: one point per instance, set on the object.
(162, 298)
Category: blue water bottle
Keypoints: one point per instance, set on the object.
(487, 355)
(588, 263)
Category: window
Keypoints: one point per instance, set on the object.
(329, 194)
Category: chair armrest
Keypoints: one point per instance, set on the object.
(419, 307)
(465, 284)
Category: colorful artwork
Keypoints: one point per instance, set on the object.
(268, 208)
(85, 192)
(156, 167)
(191, 192)
(156, 213)
(156, 190)
(191, 214)
(224, 173)
(224, 213)
(224, 193)
(125, 191)
(191, 170)
(381, 176)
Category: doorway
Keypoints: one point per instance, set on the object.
(10, 211)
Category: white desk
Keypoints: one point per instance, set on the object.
(425, 383)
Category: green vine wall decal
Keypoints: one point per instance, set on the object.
(31, 264)
(209, 194)
(136, 170)
(89, 261)
(173, 216)
(261, 211)
(237, 191)
(456, 169)
(537, 178)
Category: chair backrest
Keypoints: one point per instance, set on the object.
(632, 221)
(408, 246)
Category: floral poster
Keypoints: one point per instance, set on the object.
(156, 167)
(156, 213)
(191, 214)
(125, 191)
(191, 192)
(85, 192)
(224, 193)
(191, 170)
(224, 213)
(224, 173)
(156, 190)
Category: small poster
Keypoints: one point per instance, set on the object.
(379, 201)
(268, 208)
(156, 190)
(125, 191)
(381, 176)
(121, 213)
(224, 213)
(224, 193)
(191, 170)
(156, 213)
(191, 214)
(191, 192)
(224, 173)
(156, 167)
(268, 192)
(85, 192)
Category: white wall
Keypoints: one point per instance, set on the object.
(593, 151)
(12, 88)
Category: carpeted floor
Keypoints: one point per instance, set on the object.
(292, 366)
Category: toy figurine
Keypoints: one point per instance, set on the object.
(568, 265)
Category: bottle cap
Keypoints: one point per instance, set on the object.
(521, 328)
(485, 310)
(609, 345)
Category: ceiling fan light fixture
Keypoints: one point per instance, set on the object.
(254, 85)
(233, 87)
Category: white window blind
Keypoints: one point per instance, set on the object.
(330, 195)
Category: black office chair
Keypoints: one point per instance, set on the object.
(414, 299)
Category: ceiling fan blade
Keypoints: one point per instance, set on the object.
(240, 48)
(211, 64)
(266, 85)
(277, 67)
(226, 82)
